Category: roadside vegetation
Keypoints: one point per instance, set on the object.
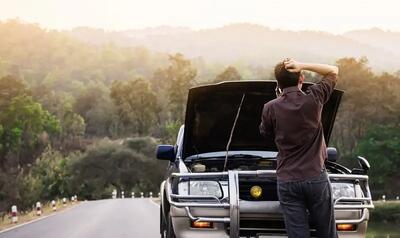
(85, 119)
(387, 212)
(384, 219)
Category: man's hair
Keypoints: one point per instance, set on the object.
(285, 78)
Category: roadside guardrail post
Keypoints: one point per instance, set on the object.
(114, 194)
(151, 194)
(14, 214)
(383, 198)
(53, 205)
(64, 202)
(141, 195)
(38, 209)
(122, 194)
(73, 200)
(133, 194)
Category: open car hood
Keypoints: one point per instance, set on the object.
(211, 111)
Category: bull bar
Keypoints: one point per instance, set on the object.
(232, 203)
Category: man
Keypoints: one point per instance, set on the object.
(294, 120)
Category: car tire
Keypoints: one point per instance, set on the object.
(163, 225)
(170, 229)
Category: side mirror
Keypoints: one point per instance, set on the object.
(363, 162)
(166, 152)
(332, 154)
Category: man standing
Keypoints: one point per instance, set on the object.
(294, 120)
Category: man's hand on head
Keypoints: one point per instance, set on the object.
(292, 65)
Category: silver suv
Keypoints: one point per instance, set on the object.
(218, 189)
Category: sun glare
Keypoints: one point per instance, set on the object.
(332, 16)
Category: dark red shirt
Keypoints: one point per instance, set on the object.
(294, 120)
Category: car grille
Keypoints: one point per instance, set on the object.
(268, 187)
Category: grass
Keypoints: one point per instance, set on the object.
(386, 212)
(384, 220)
(31, 215)
(386, 230)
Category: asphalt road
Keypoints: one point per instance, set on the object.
(117, 218)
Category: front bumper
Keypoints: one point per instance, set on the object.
(228, 214)
(266, 222)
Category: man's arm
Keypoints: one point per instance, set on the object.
(322, 69)
(322, 90)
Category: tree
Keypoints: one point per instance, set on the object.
(50, 173)
(10, 87)
(386, 99)
(171, 132)
(180, 76)
(229, 74)
(98, 111)
(124, 166)
(136, 105)
(368, 100)
(25, 125)
(381, 146)
(73, 129)
(356, 108)
(73, 125)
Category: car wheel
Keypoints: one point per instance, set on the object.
(163, 230)
(170, 229)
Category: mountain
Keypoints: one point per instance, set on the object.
(388, 40)
(257, 44)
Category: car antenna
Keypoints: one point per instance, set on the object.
(232, 130)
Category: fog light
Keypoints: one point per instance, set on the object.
(256, 191)
(346, 227)
(202, 224)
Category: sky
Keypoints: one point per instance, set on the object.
(335, 16)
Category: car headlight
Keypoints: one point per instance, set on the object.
(200, 188)
(343, 190)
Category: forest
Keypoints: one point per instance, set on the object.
(84, 119)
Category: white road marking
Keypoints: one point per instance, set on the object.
(154, 203)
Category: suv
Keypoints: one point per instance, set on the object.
(221, 179)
